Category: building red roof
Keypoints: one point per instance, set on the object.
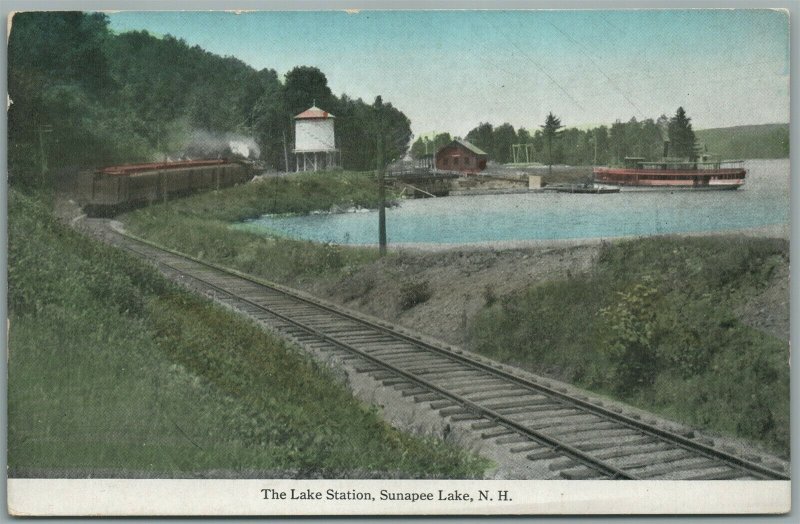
(312, 113)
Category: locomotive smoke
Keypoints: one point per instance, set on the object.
(206, 144)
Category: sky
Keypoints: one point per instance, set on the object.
(451, 70)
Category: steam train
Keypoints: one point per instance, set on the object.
(110, 190)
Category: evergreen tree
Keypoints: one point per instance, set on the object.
(681, 136)
(551, 131)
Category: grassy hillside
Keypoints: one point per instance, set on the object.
(762, 141)
(113, 371)
(201, 225)
(657, 324)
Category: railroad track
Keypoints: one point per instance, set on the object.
(576, 437)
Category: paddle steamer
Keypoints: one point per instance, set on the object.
(673, 174)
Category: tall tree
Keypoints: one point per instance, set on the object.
(58, 78)
(304, 86)
(420, 147)
(600, 155)
(618, 142)
(271, 125)
(503, 138)
(483, 137)
(395, 128)
(430, 145)
(551, 131)
(681, 136)
(84, 96)
(651, 140)
(538, 145)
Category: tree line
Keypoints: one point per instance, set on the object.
(554, 144)
(83, 96)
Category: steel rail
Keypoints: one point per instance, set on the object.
(679, 441)
(554, 444)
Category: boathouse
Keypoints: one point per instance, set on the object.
(460, 155)
(315, 141)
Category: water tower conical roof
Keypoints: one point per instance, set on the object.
(313, 113)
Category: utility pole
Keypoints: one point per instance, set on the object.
(285, 152)
(381, 197)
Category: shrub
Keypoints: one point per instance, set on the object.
(627, 340)
(656, 324)
(414, 293)
(489, 295)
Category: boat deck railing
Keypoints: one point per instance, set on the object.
(685, 165)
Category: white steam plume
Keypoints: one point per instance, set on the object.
(207, 144)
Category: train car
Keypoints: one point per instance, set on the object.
(110, 190)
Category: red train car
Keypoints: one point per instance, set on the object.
(109, 190)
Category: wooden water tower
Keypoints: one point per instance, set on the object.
(314, 141)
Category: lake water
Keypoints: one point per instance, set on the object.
(762, 201)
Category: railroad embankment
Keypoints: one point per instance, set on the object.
(694, 328)
(113, 371)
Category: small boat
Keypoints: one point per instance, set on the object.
(581, 188)
(673, 174)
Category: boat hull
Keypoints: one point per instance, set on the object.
(668, 179)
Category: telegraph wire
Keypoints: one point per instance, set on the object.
(539, 67)
(591, 60)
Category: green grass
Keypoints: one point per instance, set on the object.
(759, 141)
(115, 371)
(655, 325)
(298, 193)
(201, 225)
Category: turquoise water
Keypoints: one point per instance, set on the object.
(763, 201)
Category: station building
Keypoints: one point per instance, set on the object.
(460, 155)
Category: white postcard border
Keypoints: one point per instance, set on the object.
(190, 497)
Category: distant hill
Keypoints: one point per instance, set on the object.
(761, 141)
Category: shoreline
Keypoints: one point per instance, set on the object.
(782, 231)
